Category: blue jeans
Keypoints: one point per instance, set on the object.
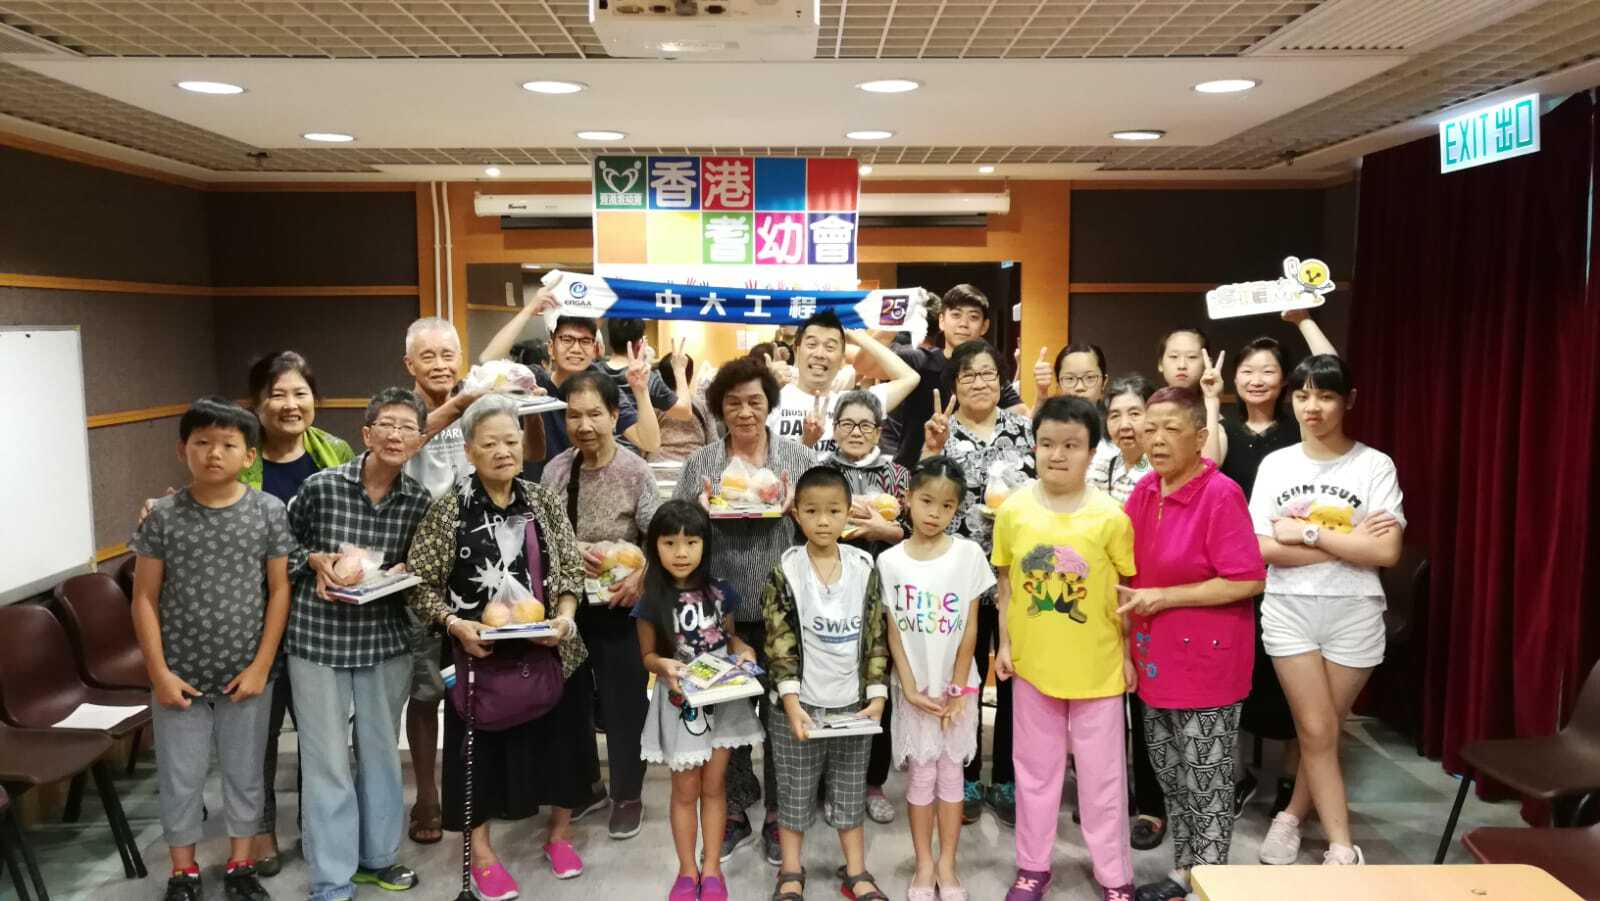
(352, 818)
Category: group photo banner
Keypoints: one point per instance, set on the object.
(577, 294)
(762, 222)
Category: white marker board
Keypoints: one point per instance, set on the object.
(47, 530)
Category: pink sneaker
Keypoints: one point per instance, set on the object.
(712, 888)
(493, 883)
(683, 889)
(564, 860)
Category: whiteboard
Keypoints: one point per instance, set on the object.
(47, 524)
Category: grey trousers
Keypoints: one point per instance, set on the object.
(184, 740)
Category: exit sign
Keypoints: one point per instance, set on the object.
(1490, 134)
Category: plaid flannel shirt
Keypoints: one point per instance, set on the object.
(332, 509)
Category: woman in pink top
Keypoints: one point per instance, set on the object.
(1193, 628)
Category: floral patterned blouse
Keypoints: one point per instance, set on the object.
(1012, 441)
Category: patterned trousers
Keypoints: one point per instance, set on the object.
(1192, 753)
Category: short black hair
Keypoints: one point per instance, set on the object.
(221, 413)
(1205, 343)
(823, 319)
(598, 382)
(965, 295)
(822, 477)
(664, 369)
(1070, 408)
(622, 332)
(938, 466)
(580, 322)
(766, 350)
(1099, 357)
(265, 372)
(961, 358)
(396, 397)
(1324, 372)
(533, 352)
(736, 373)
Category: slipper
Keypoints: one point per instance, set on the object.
(426, 830)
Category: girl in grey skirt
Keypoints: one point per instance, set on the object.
(683, 614)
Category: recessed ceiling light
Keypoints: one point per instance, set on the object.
(985, 170)
(492, 171)
(328, 137)
(889, 86)
(865, 169)
(210, 87)
(869, 134)
(554, 87)
(1226, 85)
(1141, 134)
(601, 135)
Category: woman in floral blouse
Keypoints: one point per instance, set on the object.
(471, 541)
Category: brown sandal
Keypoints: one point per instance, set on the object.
(850, 883)
(426, 830)
(783, 877)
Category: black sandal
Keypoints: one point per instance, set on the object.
(850, 883)
(799, 877)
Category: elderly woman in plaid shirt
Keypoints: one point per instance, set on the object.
(345, 657)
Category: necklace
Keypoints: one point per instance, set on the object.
(826, 578)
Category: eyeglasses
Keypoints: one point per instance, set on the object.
(403, 429)
(849, 426)
(988, 376)
(1080, 381)
(570, 341)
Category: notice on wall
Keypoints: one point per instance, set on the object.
(755, 222)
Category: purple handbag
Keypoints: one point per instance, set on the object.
(512, 686)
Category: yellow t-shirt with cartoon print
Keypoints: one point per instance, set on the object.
(1066, 636)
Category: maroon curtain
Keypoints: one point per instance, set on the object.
(1472, 339)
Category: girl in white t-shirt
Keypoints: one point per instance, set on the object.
(931, 585)
(1328, 514)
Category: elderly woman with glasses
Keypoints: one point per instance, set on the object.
(977, 432)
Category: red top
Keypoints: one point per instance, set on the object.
(1192, 657)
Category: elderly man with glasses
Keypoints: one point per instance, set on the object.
(346, 658)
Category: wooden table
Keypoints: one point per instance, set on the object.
(1469, 882)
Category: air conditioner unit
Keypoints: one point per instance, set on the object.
(707, 29)
(568, 206)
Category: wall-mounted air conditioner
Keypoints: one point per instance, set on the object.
(876, 209)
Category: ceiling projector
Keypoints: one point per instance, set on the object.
(707, 29)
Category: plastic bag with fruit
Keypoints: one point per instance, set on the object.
(1005, 477)
(743, 485)
(618, 561)
(356, 564)
(501, 376)
(512, 603)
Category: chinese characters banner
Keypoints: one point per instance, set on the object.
(755, 222)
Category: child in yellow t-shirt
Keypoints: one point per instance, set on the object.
(1060, 546)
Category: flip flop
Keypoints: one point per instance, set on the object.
(426, 830)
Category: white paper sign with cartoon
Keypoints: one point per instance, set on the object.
(1302, 287)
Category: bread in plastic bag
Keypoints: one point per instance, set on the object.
(500, 376)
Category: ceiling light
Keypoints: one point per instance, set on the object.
(1226, 85)
(865, 169)
(889, 86)
(869, 134)
(553, 87)
(1141, 134)
(601, 135)
(328, 137)
(492, 171)
(210, 87)
(985, 170)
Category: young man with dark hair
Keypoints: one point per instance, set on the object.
(963, 316)
(623, 336)
(805, 406)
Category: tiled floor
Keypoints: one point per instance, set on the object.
(1398, 805)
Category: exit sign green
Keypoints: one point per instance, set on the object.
(1490, 134)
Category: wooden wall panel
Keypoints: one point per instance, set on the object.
(312, 238)
(355, 346)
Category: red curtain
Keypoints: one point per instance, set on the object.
(1472, 338)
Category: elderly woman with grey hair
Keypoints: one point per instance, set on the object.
(495, 526)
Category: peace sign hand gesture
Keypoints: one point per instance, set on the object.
(1044, 376)
(1211, 378)
(638, 368)
(936, 431)
(815, 417)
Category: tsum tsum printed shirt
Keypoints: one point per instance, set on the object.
(1335, 495)
(1066, 636)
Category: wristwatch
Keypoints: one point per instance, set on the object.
(1310, 535)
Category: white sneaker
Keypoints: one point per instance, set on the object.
(1341, 856)
(1281, 847)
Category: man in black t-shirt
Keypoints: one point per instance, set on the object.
(963, 316)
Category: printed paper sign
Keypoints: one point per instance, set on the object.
(758, 222)
(1302, 287)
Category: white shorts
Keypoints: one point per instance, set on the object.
(1348, 631)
